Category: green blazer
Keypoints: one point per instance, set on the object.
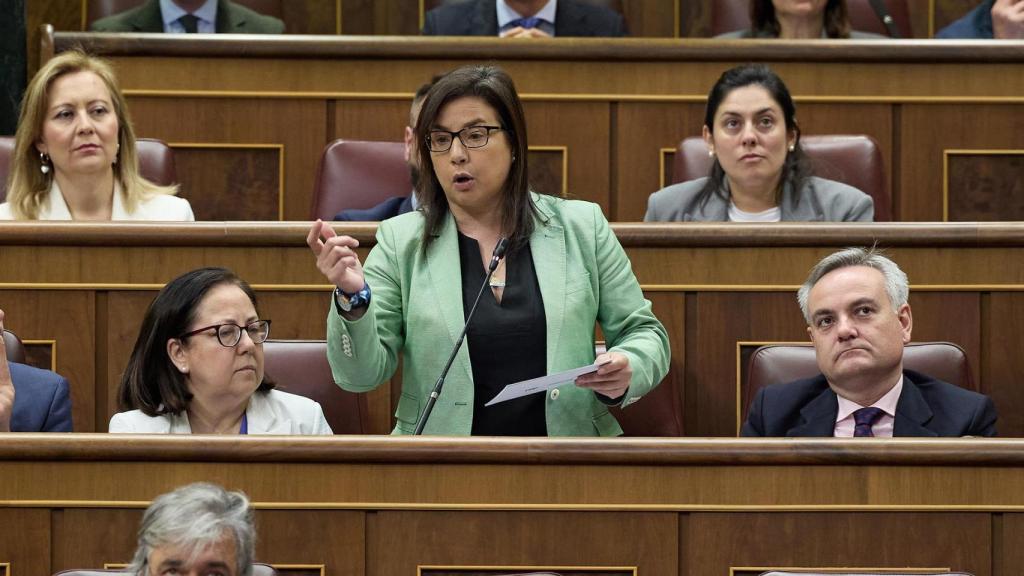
(416, 309)
(231, 19)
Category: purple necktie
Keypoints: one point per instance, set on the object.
(531, 22)
(864, 419)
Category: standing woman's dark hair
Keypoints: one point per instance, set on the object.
(151, 383)
(796, 169)
(763, 22)
(495, 87)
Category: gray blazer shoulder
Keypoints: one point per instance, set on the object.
(819, 199)
(676, 203)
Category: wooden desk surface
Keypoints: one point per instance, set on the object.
(387, 505)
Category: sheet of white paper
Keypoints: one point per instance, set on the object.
(534, 385)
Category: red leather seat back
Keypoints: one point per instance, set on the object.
(359, 174)
(15, 349)
(301, 367)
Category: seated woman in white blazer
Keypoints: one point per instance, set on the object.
(197, 366)
(74, 151)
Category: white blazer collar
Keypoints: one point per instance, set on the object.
(262, 418)
(56, 208)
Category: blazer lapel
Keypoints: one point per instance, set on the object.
(547, 244)
(912, 412)
(445, 270)
(819, 416)
(569, 19)
(229, 20)
(261, 419)
(149, 18)
(55, 208)
(485, 19)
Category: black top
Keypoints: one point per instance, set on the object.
(507, 342)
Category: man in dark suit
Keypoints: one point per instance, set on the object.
(858, 317)
(31, 400)
(999, 19)
(180, 16)
(523, 19)
(397, 204)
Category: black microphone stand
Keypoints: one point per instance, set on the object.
(496, 256)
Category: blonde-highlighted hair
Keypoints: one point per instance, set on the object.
(27, 186)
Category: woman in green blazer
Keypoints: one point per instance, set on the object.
(564, 272)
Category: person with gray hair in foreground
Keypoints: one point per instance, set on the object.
(197, 529)
(859, 319)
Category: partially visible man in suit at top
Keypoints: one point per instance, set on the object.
(398, 204)
(31, 400)
(190, 16)
(855, 305)
(998, 19)
(523, 19)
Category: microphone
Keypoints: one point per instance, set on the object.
(496, 256)
(882, 11)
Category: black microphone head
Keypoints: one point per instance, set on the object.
(500, 248)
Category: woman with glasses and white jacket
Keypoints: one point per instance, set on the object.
(197, 366)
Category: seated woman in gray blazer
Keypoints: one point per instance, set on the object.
(197, 366)
(760, 172)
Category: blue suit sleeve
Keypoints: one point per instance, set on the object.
(754, 426)
(58, 417)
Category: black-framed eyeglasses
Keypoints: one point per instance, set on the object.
(470, 136)
(229, 335)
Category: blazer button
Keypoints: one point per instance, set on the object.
(554, 394)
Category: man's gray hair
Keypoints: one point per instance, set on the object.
(896, 284)
(194, 517)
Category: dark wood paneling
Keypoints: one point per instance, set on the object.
(718, 542)
(927, 131)
(311, 16)
(239, 122)
(653, 19)
(985, 187)
(25, 541)
(952, 317)
(722, 320)
(1010, 534)
(383, 120)
(1003, 318)
(94, 537)
(66, 317)
(335, 539)
(40, 355)
(641, 131)
(546, 174)
(236, 183)
(405, 540)
(583, 128)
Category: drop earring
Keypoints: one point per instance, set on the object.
(44, 163)
(792, 147)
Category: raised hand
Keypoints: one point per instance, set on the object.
(336, 257)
